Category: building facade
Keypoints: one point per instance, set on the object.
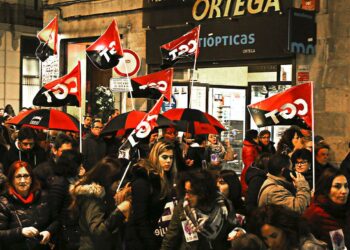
(247, 53)
(19, 68)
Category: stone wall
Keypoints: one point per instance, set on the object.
(330, 71)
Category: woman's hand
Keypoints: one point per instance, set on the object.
(125, 208)
(299, 177)
(30, 232)
(46, 237)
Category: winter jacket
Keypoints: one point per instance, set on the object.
(15, 215)
(324, 216)
(34, 157)
(255, 178)
(175, 237)
(147, 208)
(197, 154)
(44, 171)
(69, 232)
(94, 149)
(319, 169)
(96, 226)
(250, 152)
(276, 190)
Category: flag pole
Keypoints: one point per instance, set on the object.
(313, 137)
(194, 66)
(129, 83)
(80, 131)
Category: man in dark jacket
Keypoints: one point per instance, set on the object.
(24, 149)
(94, 147)
(321, 159)
(45, 170)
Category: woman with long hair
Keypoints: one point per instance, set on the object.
(162, 158)
(282, 229)
(92, 199)
(290, 141)
(149, 190)
(25, 218)
(329, 213)
(229, 185)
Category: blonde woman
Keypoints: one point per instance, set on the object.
(148, 191)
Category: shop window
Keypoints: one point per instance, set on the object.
(286, 73)
(30, 80)
(237, 76)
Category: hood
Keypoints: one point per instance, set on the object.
(253, 172)
(89, 190)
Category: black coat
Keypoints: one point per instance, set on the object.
(44, 171)
(147, 208)
(270, 148)
(255, 177)
(345, 167)
(34, 157)
(94, 149)
(36, 214)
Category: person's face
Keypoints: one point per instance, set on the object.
(22, 181)
(59, 151)
(265, 139)
(166, 160)
(189, 195)
(308, 145)
(212, 138)
(170, 134)
(1, 112)
(223, 187)
(297, 142)
(339, 191)
(273, 237)
(26, 144)
(322, 156)
(302, 165)
(97, 128)
(153, 137)
(87, 121)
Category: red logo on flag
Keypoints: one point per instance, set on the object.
(62, 91)
(153, 85)
(106, 51)
(187, 46)
(291, 107)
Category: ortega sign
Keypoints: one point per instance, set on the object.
(203, 9)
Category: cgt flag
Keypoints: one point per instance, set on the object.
(62, 91)
(153, 85)
(106, 51)
(291, 107)
(185, 47)
(48, 40)
(143, 129)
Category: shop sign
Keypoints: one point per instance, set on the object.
(302, 28)
(311, 5)
(206, 9)
(120, 84)
(253, 38)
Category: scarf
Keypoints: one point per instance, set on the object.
(27, 200)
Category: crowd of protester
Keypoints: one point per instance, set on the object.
(171, 193)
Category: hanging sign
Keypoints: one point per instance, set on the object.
(120, 84)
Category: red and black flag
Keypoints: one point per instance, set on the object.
(291, 107)
(185, 47)
(48, 40)
(62, 91)
(106, 51)
(153, 85)
(142, 130)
